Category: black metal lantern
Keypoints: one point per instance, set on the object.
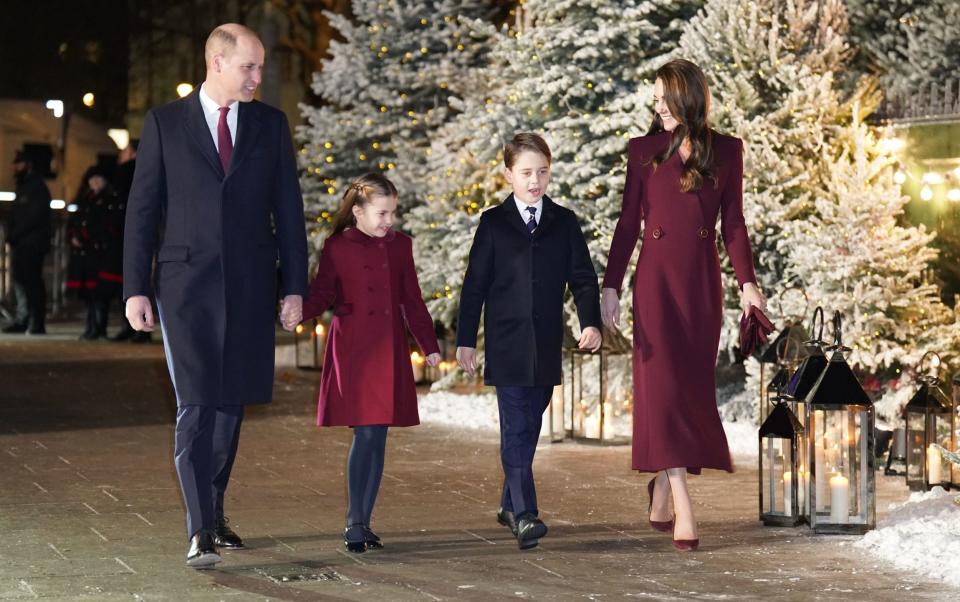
(309, 341)
(799, 385)
(782, 481)
(929, 424)
(896, 465)
(777, 354)
(786, 362)
(600, 410)
(841, 488)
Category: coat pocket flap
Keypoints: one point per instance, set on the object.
(166, 254)
(344, 309)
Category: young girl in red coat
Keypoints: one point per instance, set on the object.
(366, 274)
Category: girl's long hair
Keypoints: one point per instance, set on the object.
(687, 96)
(358, 194)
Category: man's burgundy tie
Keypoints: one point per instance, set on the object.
(224, 142)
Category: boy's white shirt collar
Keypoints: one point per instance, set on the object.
(522, 208)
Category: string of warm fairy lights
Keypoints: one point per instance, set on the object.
(945, 180)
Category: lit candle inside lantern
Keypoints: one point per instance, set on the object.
(839, 499)
(418, 362)
(321, 333)
(820, 474)
(802, 491)
(788, 493)
(933, 465)
(591, 425)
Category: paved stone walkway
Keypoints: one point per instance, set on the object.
(90, 510)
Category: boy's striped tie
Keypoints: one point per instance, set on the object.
(532, 222)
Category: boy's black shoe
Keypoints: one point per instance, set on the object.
(505, 518)
(529, 531)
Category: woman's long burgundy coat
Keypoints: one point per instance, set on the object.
(371, 283)
(678, 299)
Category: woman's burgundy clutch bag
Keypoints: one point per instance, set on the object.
(754, 329)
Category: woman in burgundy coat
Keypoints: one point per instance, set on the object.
(680, 176)
(366, 274)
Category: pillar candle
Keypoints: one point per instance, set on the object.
(802, 485)
(933, 465)
(788, 493)
(839, 499)
(820, 474)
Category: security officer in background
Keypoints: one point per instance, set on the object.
(28, 232)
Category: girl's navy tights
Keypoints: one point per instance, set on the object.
(364, 471)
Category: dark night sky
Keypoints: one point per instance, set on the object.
(62, 49)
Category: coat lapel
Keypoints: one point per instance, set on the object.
(510, 213)
(248, 126)
(196, 124)
(547, 217)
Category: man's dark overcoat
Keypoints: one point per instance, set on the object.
(216, 237)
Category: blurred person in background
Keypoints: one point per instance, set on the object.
(94, 232)
(28, 232)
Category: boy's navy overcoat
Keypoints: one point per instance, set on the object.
(519, 281)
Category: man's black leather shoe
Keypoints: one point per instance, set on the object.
(202, 553)
(224, 536)
(529, 531)
(505, 518)
(16, 327)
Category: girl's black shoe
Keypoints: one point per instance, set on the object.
(371, 539)
(354, 539)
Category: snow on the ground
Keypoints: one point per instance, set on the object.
(479, 411)
(921, 534)
(742, 439)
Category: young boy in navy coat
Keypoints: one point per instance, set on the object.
(525, 253)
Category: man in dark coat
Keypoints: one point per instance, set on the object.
(215, 197)
(525, 254)
(28, 232)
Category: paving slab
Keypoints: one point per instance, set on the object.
(90, 510)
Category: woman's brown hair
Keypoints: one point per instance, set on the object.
(358, 194)
(687, 96)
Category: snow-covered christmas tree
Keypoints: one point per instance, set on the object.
(809, 161)
(856, 256)
(909, 44)
(771, 70)
(576, 71)
(386, 89)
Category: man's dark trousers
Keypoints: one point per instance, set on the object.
(204, 450)
(27, 272)
(521, 414)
